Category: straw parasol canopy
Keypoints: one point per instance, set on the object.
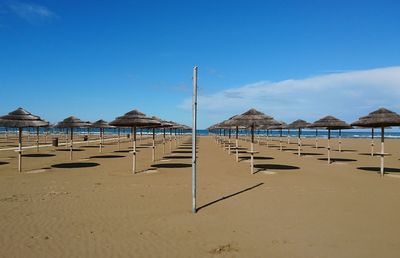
(101, 124)
(72, 122)
(298, 124)
(282, 125)
(251, 118)
(380, 118)
(134, 119)
(20, 118)
(330, 123)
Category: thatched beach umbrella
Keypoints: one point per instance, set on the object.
(298, 124)
(380, 118)
(71, 123)
(282, 125)
(251, 118)
(101, 125)
(20, 119)
(134, 119)
(330, 123)
(163, 124)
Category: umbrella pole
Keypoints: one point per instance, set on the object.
(229, 146)
(37, 139)
(372, 142)
(316, 138)
(88, 133)
(72, 143)
(329, 146)
(163, 140)
(101, 139)
(340, 140)
(141, 135)
(298, 142)
(134, 151)
(132, 137)
(382, 150)
(19, 150)
(252, 149)
(237, 143)
(280, 140)
(170, 139)
(119, 140)
(288, 136)
(175, 138)
(153, 151)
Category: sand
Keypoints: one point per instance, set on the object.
(292, 207)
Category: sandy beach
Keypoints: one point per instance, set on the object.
(292, 207)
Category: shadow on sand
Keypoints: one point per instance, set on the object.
(375, 154)
(3, 163)
(69, 150)
(76, 165)
(106, 157)
(338, 160)
(229, 196)
(378, 169)
(172, 165)
(177, 157)
(262, 167)
(38, 155)
(242, 158)
(308, 154)
(182, 152)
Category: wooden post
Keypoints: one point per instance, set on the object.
(237, 143)
(164, 140)
(88, 134)
(153, 147)
(37, 139)
(288, 136)
(119, 138)
(134, 151)
(280, 139)
(316, 138)
(329, 146)
(372, 142)
(229, 146)
(299, 143)
(72, 143)
(19, 150)
(170, 139)
(340, 140)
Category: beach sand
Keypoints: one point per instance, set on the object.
(292, 207)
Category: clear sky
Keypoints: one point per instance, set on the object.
(289, 59)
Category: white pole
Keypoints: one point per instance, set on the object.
(194, 127)
(19, 150)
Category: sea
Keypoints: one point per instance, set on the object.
(392, 133)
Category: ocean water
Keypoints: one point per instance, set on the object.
(353, 133)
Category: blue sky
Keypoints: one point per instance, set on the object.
(290, 59)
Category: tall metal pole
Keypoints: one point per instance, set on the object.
(194, 127)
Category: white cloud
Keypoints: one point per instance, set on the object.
(346, 95)
(31, 12)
